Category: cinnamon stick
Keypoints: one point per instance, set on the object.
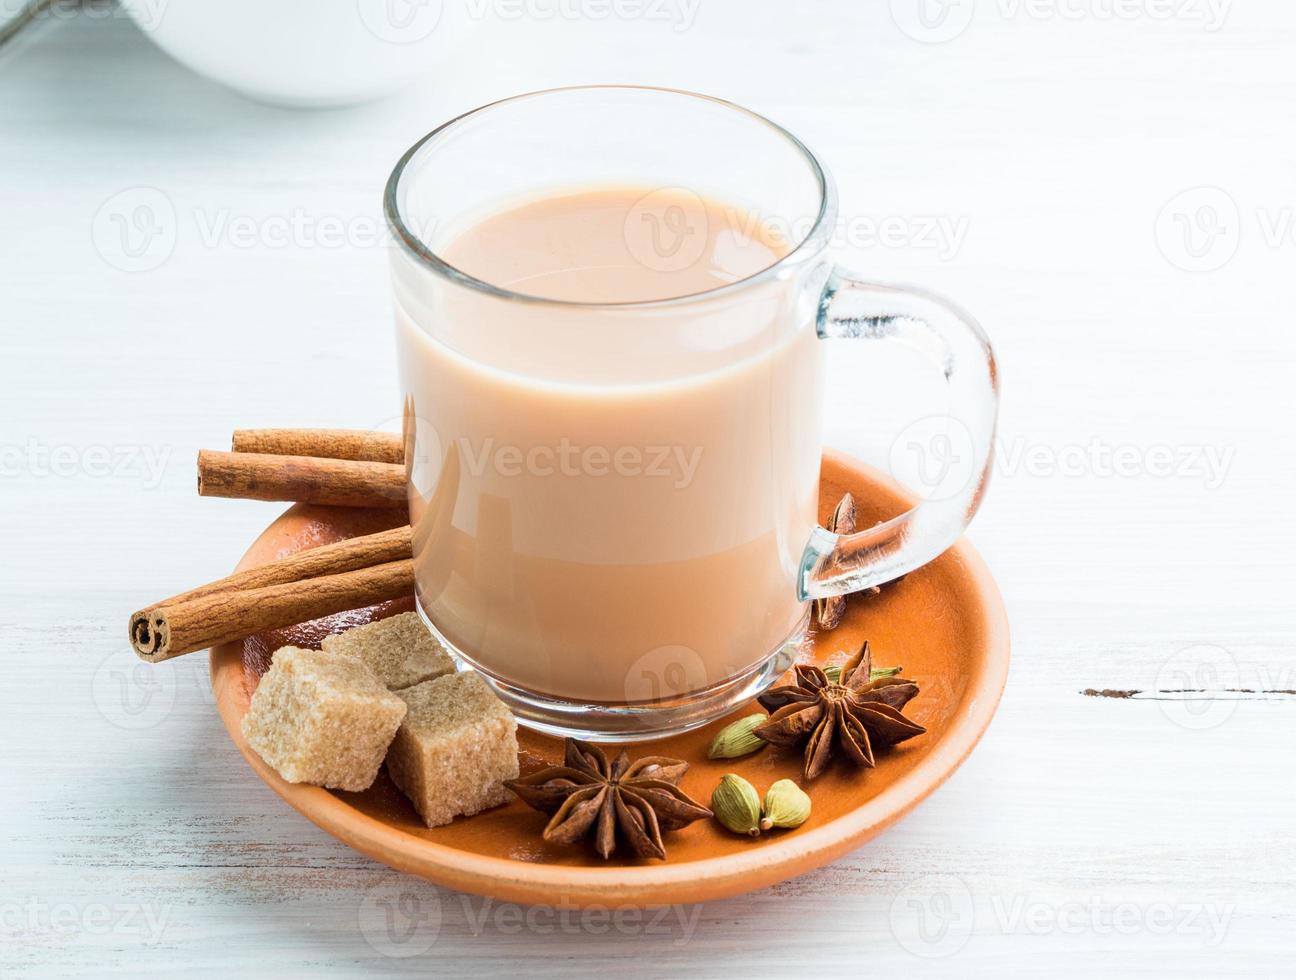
(222, 617)
(374, 447)
(305, 479)
(328, 559)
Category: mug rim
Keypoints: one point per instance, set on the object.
(811, 245)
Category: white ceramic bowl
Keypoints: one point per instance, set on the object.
(306, 52)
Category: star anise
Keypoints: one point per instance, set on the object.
(857, 712)
(828, 611)
(588, 793)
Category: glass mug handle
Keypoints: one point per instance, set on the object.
(850, 309)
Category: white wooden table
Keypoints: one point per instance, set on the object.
(1139, 523)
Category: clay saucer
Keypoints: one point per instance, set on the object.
(944, 623)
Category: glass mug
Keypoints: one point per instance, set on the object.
(615, 501)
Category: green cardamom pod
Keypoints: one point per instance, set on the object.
(737, 806)
(736, 740)
(786, 805)
(833, 672)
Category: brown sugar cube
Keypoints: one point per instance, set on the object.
(455, 748)
(399, 650)
(322, 718)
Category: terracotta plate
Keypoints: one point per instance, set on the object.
(944, 623)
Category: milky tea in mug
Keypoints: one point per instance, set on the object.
(618, 535)
(610, 302)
